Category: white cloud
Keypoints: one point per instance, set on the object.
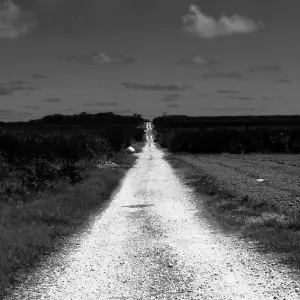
(195, 60)
(200, 25)
(198, 60)
(100, 58)
(13, 23)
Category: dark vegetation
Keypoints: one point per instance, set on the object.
(240, 134)
(179, 121)
(34, 155)
(50, 183)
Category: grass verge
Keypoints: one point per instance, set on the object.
(34, 229)
(274, 230)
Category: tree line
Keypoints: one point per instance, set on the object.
(266, 134)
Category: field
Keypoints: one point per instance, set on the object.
(238, 173)
(267, 211)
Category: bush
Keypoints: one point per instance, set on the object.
(32, 160)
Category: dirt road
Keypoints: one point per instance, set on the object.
(154, 242)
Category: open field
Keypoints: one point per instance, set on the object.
(267, 211)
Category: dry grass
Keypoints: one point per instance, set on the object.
(33, 229)
(268, 212)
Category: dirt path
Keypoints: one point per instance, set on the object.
(153, 242)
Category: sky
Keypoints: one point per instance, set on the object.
(197, 58)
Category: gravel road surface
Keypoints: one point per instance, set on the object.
(154, 241)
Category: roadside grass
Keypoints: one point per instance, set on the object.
(36, 228)
(255, 219)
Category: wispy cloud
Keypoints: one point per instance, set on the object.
(39, 76)
(195, 60)
(99, 58)
(154, 87)
(264, 68)
(14, 22)
(200, 25)
(53, 100)
(243, 98)
(102, 104)
(226, 92)
(282, 80)
(35, 107)
(5, 91)
(17, 83)
(6, 112)
(224, 75)
(171, 97)
(10, 87)
(173, 105)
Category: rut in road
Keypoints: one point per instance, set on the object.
(153, 242)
